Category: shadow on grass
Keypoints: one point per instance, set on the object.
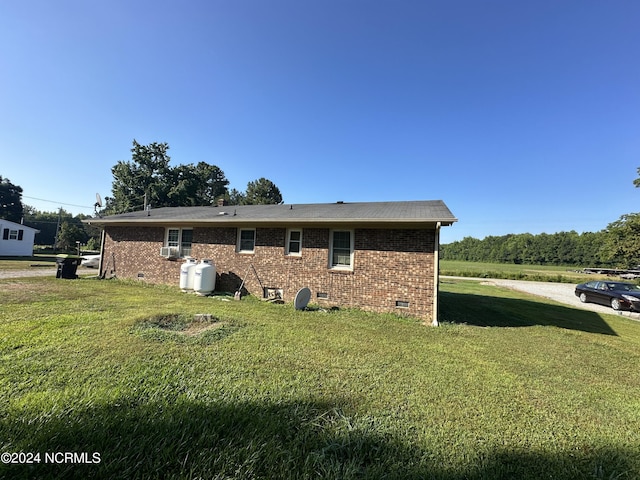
(296, 440)
(490, 311)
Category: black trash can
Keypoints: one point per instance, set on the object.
(67, 266)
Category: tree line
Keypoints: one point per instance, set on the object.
(617, 246)
(562, 248)
(145, 180)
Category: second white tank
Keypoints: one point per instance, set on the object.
(204, 278)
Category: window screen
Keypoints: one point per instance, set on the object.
(341, 254)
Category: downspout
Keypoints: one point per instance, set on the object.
(102, 236)
(436, 274)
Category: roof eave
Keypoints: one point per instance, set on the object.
(274, 221)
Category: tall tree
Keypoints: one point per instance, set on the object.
(191, 185)
(11, 207)
(235, 197)
(145, 176)
(149, 177)
(636, 182)
(262, 192)
(622, 243)
(70, 233)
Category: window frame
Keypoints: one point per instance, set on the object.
(287, 247)
(13, 234)
(239, 240)
(338, 266)
(184, 248)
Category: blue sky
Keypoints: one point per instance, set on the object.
(523, 116)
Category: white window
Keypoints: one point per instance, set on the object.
(341, 249)
(294, 242)
(180, 238)
(246, 240)
(9, 234)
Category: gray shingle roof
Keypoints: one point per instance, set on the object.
(411, 212)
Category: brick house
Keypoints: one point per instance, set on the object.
(378, 256)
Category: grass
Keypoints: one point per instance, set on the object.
(510, 386)
(19, 263)
(542, 273)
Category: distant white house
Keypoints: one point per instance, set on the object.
(16, 240)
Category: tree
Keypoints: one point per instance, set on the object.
(70, 233)
(144, 177)
(191, 185)
(47, 223)
(64, 226)
(11, 207)
(92, 233)
(636, 182)
(622, 243)
(562, 248)
(235, 197)
(149, 177)
(262, 192)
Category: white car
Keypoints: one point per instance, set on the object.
(91, 261)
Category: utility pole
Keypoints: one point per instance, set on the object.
(55, 242)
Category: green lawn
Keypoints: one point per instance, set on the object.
(508, 387)
(26, 263)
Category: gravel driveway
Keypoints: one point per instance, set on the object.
(559, 292)
(42, 272)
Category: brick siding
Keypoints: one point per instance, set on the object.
(389, 265)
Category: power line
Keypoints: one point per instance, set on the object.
(58, 203)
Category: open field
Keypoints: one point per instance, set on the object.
(511, 386)
(542, 273)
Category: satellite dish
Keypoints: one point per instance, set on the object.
(97, 205)
(302, 298)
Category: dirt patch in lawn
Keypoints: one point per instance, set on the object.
(201, 324)
(199, 328)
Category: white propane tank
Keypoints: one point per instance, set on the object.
(204, 280)
(187, 274)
